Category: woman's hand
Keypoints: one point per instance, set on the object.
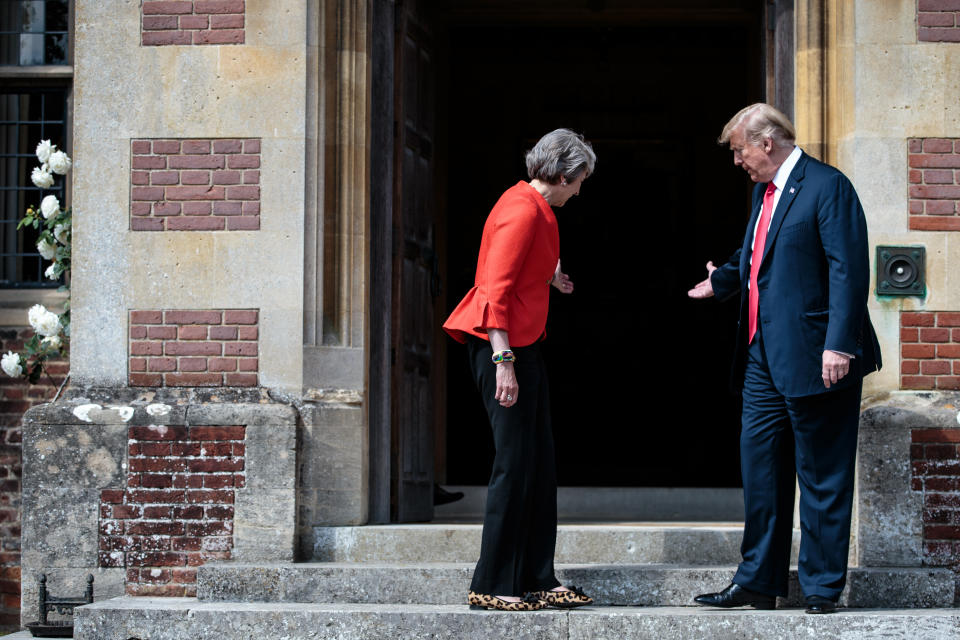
(561, 280)
(507, 388)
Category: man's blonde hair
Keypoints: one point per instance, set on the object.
(760, 120)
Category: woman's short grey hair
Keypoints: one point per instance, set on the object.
(560, 154)
(761, 121)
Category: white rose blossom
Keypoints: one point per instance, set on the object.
(33, 316)
(41, 177)
(46, 249)
(51, 271)
(53, 342)
(44, 322)
(59, 162)
(60, 232)
(10, 363)
(44, 149)
(49, 207)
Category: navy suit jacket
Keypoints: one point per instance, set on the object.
(813, 282)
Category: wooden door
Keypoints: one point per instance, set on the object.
(416, 269)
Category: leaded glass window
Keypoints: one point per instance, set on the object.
(34, 32)
(35, 81)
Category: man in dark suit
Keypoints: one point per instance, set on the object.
(804, 344)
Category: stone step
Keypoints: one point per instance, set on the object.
(690, 544)
(189, 619)
(614, 504)
(620, 584)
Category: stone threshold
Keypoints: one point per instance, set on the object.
(187, 619)
(608, 584)
(714, 545)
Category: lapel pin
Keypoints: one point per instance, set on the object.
(792, 189)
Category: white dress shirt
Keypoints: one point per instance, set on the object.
(780, 181)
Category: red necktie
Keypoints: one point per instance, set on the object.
(759, 240)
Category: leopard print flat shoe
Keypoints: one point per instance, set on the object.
(575, 597)
(483, 601)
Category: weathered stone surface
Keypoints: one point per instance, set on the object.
(890, 529)
(156, 619)
(252, 415)
(271, 452)
(67, 583)
(131, 407)
(264, 525)
(59, 528)
(334, 468)
(188, 619)
(605, 544)
(623, 504)
(889, 523)
(74, 456)
(620, 584)
(683, 624)
(899, 587)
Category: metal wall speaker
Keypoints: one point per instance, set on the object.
(901, 271)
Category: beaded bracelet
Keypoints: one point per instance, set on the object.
(503, 356)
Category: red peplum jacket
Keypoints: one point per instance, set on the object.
(518, 256)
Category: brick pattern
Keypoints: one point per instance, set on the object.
(930, 350)
(16, 396)
(166, 22)
(194, 348)
(938, 20)
(935, 457)
(934, 166)
(176, 512)
(195, 184)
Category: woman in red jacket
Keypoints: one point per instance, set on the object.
(501, 320)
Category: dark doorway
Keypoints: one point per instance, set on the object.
(638, 372)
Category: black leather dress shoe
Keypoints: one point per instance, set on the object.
(819, 604)
(737, 596)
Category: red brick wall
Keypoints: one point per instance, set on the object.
(176, 512)
(194, 348)
(930, 350)
(934, 166)
(195, 185)
(16, 396)
(938, 20)
(192, 22)
(936, 472)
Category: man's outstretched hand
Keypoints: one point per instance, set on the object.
(703, 289)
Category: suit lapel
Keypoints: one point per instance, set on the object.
(790, 191)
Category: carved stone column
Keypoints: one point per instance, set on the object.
(824, 76)
(333, 474)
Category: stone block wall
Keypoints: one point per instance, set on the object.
(908, 482)
(16, 396)
(176, 512)
(194, 348)
(183, 22)
(140, 488)
(934, 166)
(930, 350)
(195, 185)
(938, 21)
(935, 461)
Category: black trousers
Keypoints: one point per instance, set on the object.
(813, 439)
(520, 523)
